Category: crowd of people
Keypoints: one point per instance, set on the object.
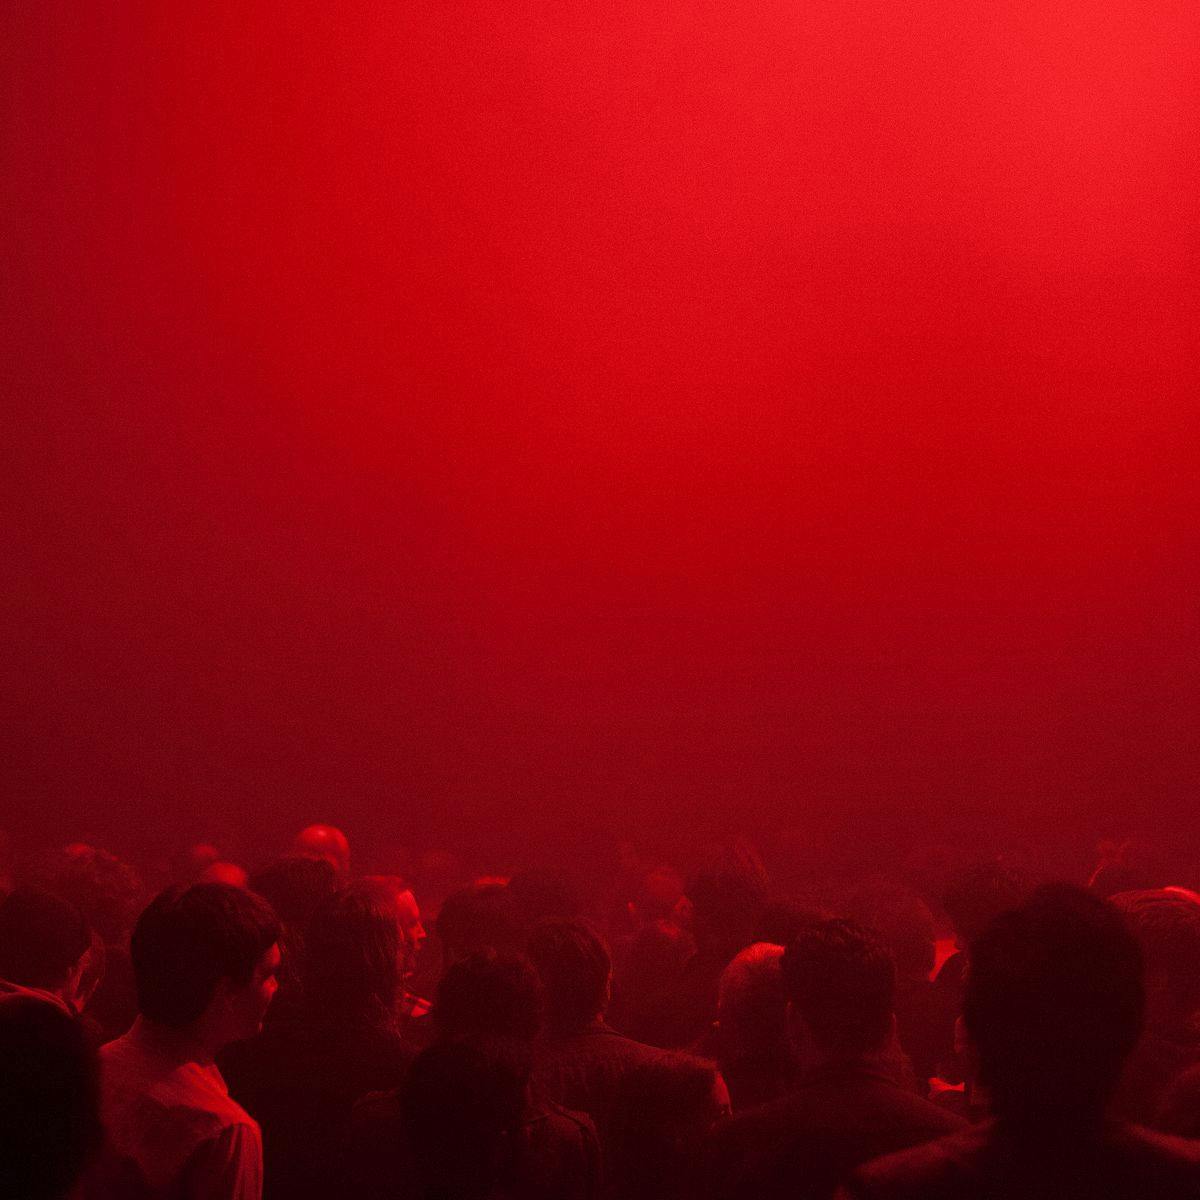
(296, 1032)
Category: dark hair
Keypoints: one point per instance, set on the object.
(574, 968)
(106, 890)
(841, 979)
(490, 994)
(463, 1102)
(726, 907)
(980, 893)
(541, 895)
(49, 1110)
(1053, 1004)
(352, 952)
(902, 921)
(189, 939)
(295, 887)
(1166, 923)
(478, 917)
(42, 937)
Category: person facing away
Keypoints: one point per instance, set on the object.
(1053, 1007)
(205, 960)
(854, 1100)
(490, 1001)
(46, 946)
(49, 1110)
(1166, 924)
(580, 1062)
(754, 1050)
(300, 1077)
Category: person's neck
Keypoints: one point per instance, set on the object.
(190, 1043)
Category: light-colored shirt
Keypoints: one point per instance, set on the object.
(171, 1130)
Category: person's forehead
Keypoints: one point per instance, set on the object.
(406, 906)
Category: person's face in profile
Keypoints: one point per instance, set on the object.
(249, 1004)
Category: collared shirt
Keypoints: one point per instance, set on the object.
(173, 1133)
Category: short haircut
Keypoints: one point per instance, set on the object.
(489, 994)
(478, 917)
(189, 939)
(902, 921)
(980, 893)
(1166, 923)
(352, 951)
(42, 937)
(841, 980)
(574, 968)
(1054, 1002)
(295, 886)
(49, 1108)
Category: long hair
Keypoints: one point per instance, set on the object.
(352, 953)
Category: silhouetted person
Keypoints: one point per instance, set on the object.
(301, 1076)
(1053, 1007)
(580, 1062)
(754, 1050)
(903, 922)
(205, 960)
(1166, 924)
(109, 894)
(486, 999)
(479, 917)
(646, 994)
(49, 1108)
(326, 842)
(854, 1100)
(46, 945)
(973, 898)
(224, 872)
(726, 907)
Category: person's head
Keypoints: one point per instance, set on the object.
(463, 1102)
(903, 922)
(840, 982)
(326, 842)
(752, 1006)
(106, 890)
(479, 917)
(407, 911)
(44, 943)
(205, 959)
(49, 1107)
(726, 907)
(541, 895)
(354, 953)
(575, 971)
(489, 994)
(1053, 1005)
(976, 895)
(660, 895)
(224, 872)
(296, 887)
(1166, 923)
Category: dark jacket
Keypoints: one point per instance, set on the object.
(555, 1155)
(1115, 1162)
(841, 1115)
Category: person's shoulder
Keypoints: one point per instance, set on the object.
(1162, 1154)
(562, 1122)
(944, 1166)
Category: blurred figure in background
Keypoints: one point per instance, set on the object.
(46, 946)
(475, 1079)
(325, 842)
(754, 1050)
(853, 1101)
(1166, 924)
(302, 1075)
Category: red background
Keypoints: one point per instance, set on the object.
(511, 421)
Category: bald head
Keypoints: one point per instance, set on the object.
(324, 842)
